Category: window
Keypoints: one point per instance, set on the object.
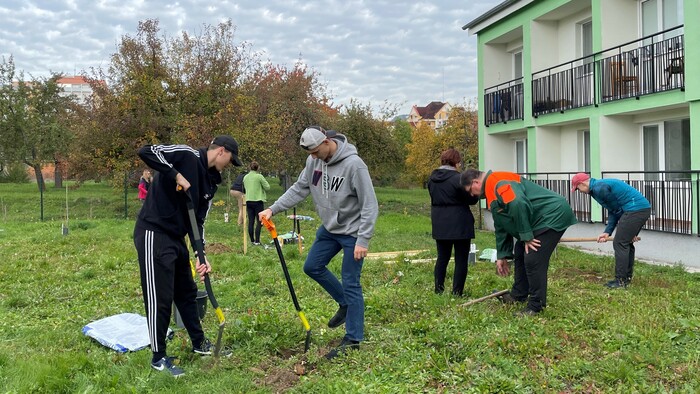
(585, 150)
(667, 148)
(586, 41)
(518, 64)
(515, 94)
(659, 15)
(521, 156)
(677, 146)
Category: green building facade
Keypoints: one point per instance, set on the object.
(597, 86)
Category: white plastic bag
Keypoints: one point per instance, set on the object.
(489, 254)
(124, 332)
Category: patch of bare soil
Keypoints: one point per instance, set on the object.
(436, 386)
(216, 248)
(280, 380)
(570, 272)
(279, 375)
(657, 281)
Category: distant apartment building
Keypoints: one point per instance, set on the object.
(434, 114)
(75, 86)
(597, 86)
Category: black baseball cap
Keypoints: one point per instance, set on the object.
(230, 144)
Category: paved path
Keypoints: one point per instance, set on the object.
(655, 247)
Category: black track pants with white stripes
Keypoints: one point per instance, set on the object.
(166, 276)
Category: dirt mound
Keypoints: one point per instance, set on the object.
(216, 248)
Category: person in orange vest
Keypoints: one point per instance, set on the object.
(529, 221)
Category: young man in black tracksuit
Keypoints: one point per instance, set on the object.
(159, 237)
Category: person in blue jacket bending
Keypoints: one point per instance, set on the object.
(628, 211)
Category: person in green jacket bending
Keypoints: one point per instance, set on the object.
(534, 216)
(255, 186)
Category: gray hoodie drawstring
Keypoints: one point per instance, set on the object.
(324, 176)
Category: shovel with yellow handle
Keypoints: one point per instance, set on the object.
(199, 247)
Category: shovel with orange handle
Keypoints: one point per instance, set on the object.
(273, 232)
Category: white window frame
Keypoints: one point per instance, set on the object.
(584, 151)
(659, 142)
(661, 127)
(516, 144)
(581, 36)
(515, 61)
(660, 17)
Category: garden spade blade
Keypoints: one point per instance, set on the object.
(199, 247)
(273, 232)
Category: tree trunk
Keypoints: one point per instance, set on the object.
(39, 176)
(57, 175)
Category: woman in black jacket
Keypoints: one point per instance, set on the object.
(453, 222)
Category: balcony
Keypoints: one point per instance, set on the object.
(504, 102)
(652, 64)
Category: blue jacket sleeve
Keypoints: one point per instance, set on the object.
(605, 197)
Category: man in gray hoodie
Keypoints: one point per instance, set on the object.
(342, 191)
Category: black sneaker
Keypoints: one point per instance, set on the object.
(339, 318)
(207, 349)
(345, 345)
(508, 299)
(617, 284)
(166, 364)
(527, 312)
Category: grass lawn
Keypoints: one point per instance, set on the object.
(590, 339)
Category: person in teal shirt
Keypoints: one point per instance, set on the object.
(255, 186)
(628, 212)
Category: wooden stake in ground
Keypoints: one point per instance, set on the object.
(390, 255)
(484, 298)
(245, 227)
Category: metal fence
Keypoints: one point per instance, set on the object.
(504, 102)
(671, 194)
(560, 182)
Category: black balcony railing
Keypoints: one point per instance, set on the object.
(656, 64)
(671, 194)
(560, 182)
(651, 64)
(504, 102)
(563, 87)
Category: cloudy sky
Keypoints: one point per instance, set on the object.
(404, 52)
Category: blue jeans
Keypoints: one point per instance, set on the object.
(349, 292)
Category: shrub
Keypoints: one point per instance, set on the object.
(14, 173)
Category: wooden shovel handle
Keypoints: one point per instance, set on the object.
(484, 298)
(593, 239)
